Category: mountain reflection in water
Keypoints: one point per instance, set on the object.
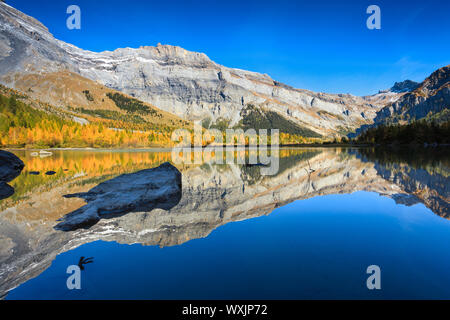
(212, 196)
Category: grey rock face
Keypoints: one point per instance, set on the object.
(187, 84)
(137, 192)
(29, 46)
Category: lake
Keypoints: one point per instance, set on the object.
(308, 232)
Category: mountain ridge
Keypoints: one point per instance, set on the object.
(430, 96)
(187, 84)
(404, 86)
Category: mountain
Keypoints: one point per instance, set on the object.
(186, 84)
(431, 97)
(430, 100)
(404, 86)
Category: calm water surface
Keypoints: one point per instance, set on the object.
(309, 232)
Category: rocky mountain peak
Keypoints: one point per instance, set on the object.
(404, 86)
(175, 54)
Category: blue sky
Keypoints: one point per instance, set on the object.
(316, 45)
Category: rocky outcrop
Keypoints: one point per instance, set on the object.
(184, 83)
(10, 168)
(404, 86)
(142, 191)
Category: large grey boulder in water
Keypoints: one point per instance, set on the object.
(142, 191)
(10, 168)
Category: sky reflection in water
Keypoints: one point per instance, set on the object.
(223, 246)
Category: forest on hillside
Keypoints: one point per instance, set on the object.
(417, 132)
(22, 126)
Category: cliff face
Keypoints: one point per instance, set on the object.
(187, 84)
(431, 97)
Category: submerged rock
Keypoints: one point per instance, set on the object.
(142, 191)
(42, 154)
(10, 168)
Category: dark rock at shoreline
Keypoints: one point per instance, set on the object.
(142, 191)
(50, 173)
(34, 173)
(6, 190)
(10, 166)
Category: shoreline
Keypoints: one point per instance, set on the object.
(340, 145)
(192, 146)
